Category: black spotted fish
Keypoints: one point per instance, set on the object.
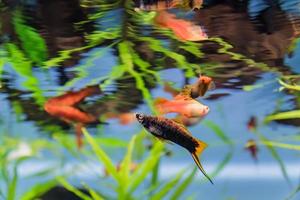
(169, 130)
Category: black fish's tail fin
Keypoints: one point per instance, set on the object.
(195, 154)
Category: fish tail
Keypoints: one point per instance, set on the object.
(196, 159)
(158, 104)
(199, 149)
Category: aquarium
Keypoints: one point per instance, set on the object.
(174, 99)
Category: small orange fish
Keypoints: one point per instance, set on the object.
(184, 106)
(203, 84)
(251, 125)
(183, 29)
(167, 129)
(168, 88)
(164, 5)
(124, 118)
(63, 107)
(252, 148)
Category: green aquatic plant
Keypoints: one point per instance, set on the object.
(125, 181)
(32, 43)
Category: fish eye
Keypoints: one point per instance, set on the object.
(140, 117)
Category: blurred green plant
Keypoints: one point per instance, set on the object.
(125, 181)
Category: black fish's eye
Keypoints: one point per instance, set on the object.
(140, 117)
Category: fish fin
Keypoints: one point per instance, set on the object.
(196, 159)
(185, 93)
(179, 123)
(164, 140)
(160, 100)
(211, 86)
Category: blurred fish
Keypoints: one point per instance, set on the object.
(252, 148)
(183, 29)
(133, 167)
(168, 88)
(63, 107)
(168, 130)
(203, 84)
(181, 104)
(187, 121)
(251, 125)
(124, 118)
(169, 4)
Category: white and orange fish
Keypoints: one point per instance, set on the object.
(184, 106)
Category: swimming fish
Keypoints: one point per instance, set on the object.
(203, 84)
(169, 4)
(63, 107)
(183, 29)
(252, 148)
(181, 104)
(251, 125)
(167, 129)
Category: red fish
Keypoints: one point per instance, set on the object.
(203, 84)
(251, 125)
(184, 106)
(63, 107)
(167, 129)
(252, 148)
(183, 29)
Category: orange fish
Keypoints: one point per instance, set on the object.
(164, 5)
(124, 118)
(251, 125)
(203, 84)
(252, 148)
(63, 107)
(183, 29)
(184, 106)
(168, 88)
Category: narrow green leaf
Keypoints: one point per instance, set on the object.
(281, 145)
(126, 163)
(283, 115)
(38, 190)
(288, 86)
(102, 156)
(112, 142)
(182, 187)
(72, 189)
(218, 131)
(167, 187)
(222, 164)
(144, 169)
(275, 155)
(293, 193)
(11, 193)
